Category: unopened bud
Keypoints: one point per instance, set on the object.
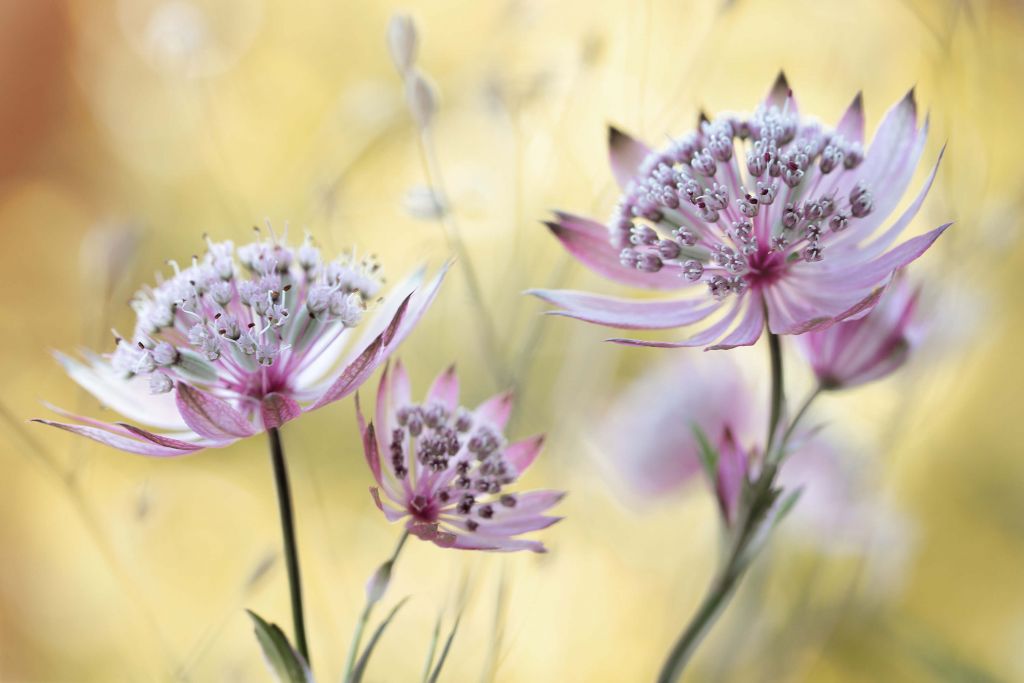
(402, 42)
(422, 98)
(378, 583)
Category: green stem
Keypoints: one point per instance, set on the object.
(364, 618)
(777, 457)
(778, 395)
(760, 500)
(291, 550)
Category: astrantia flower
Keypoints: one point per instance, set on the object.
(858, 351)
(241, 341)
(769, 213)
(446, 469)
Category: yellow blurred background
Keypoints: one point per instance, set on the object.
(130, 128)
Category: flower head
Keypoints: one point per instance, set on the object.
(859, 351)
(767, 214)
(445, 468)
(243, 340)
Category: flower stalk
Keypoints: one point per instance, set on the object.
(757, 501)
(374, 592)
(291, 550)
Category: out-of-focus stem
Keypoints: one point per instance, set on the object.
(432, 170)
(364, 618)
(291, 550)
(752, 515)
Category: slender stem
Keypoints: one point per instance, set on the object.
(432, 170)
(753, 513)
(796, 420)
(364, 618)
(778, 395)
(291, 550)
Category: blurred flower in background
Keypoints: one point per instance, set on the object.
(185, 118)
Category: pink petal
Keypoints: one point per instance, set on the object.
(390, 513)
(120, 442)
(590, 243)
(445, 390)
(419, 302)
(534, 502)
(627, 313)
(209, 416)
(495, 528)
(352, 377)
(781, 95)
(496, 410)
(170, 442)
(700, 339)
(521, 454)
(882, 242)
(276, 409)
(370, 448)
(874, 272)
(497, 544)
(626, 155)
(851, 126)
(732, 472)
(749, 329)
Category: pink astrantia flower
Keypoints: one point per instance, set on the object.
(446, 468)
(222, 352)
(859, 351)
(767, 214)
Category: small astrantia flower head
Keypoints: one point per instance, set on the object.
(447, 470)
(243, 340)
(870, 347)
(768, 217)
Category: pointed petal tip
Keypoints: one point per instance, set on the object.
(781, 85)
(858, 101)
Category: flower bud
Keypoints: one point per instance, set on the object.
(402, 42)
(422, 98)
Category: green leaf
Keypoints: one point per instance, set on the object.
(284, 662)
(364, 659)
(786, 505)
(444, 653)
(708, 454)
(433, 649)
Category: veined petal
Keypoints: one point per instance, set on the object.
(781, 95)
(521, 454)
(589, 242)
(535, 502)
(498, 527)
(851, 126)
(496, 410)
(130, 398)
(626, 155)
(700, 339)
(370, 449)
(496, 543)
(878, 269)
(209, 416)
(390, 513)
(121, 442)
(352, 377)
(883, 241)
(637, 314)
(749, 329)
(445, 389)
(276, 409)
